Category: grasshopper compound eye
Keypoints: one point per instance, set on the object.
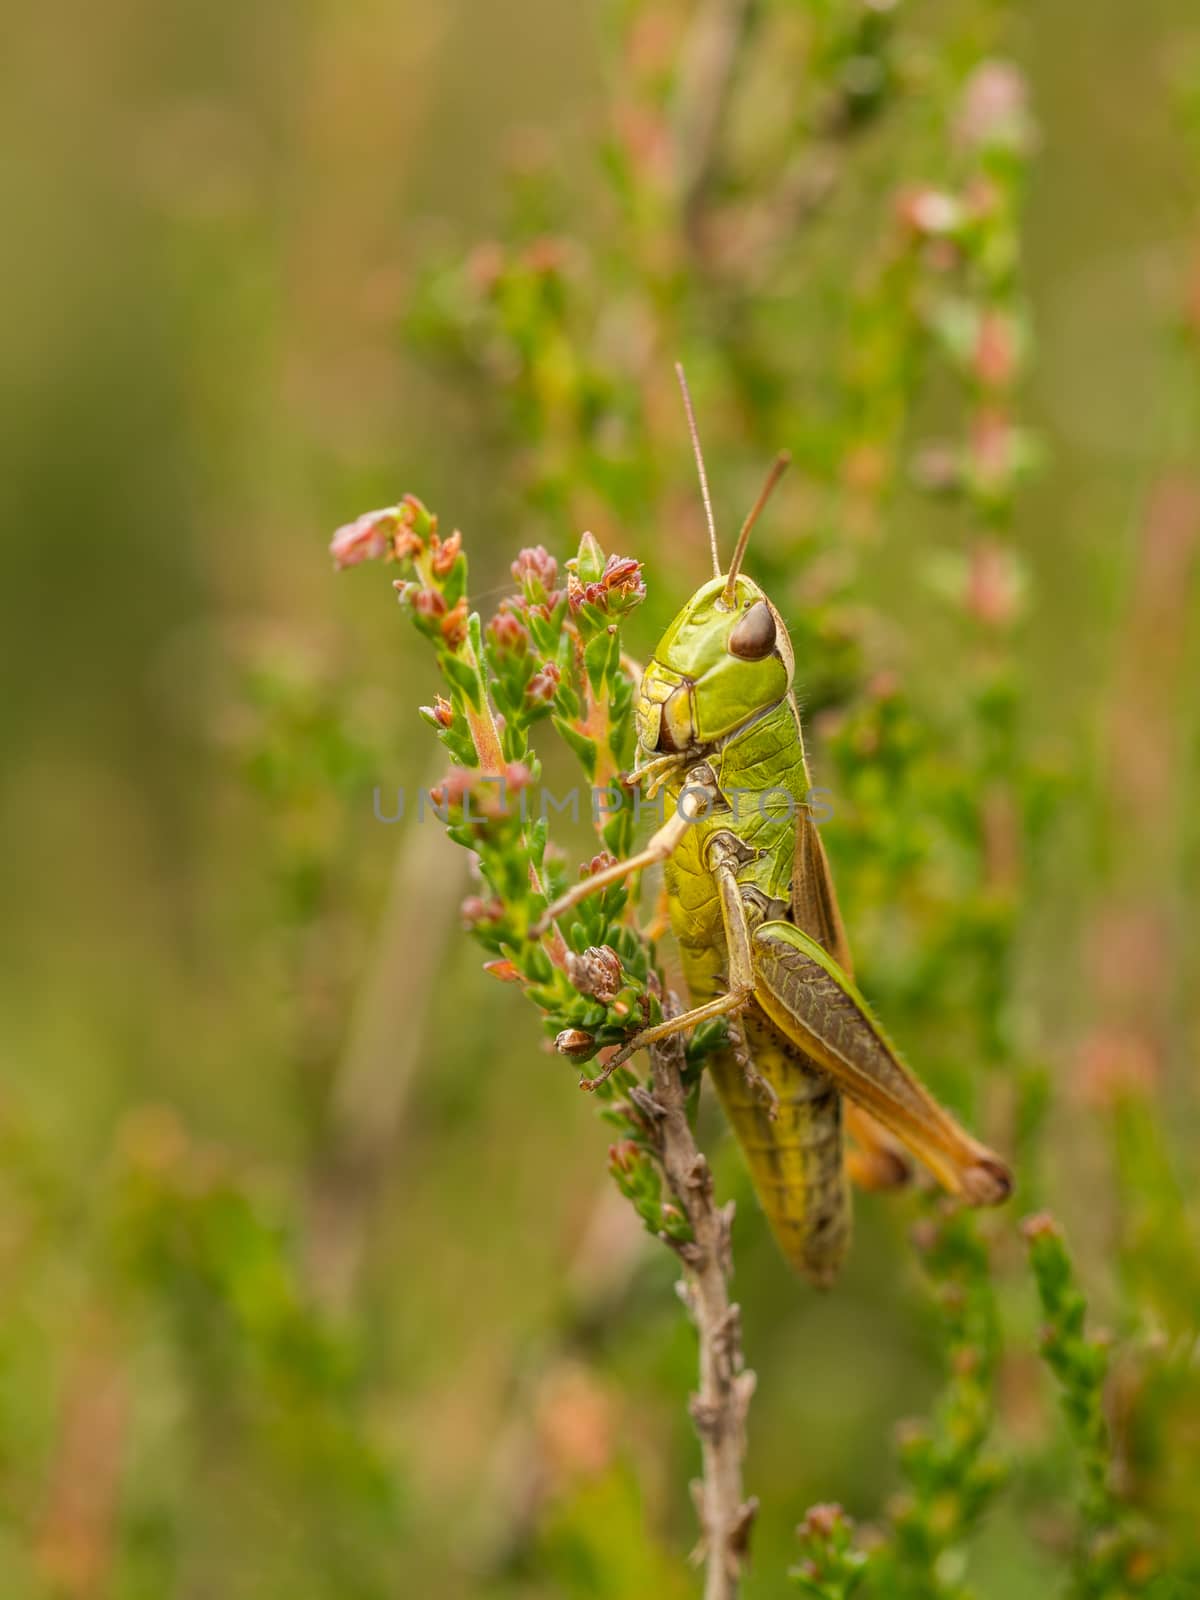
(754, 636)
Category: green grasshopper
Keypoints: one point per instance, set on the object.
(755, 915)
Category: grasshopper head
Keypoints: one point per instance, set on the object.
(721, 662)
(726, 657)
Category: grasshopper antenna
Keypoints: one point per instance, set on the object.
(778, 467)
(699, 454)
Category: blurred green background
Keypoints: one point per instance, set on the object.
(249, 1064)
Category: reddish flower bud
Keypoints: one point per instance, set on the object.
(452, 788)
(624, 575)
(485, 266)
(546, 255)
(407, 544)
(445, 552)
(454, 625)
(623, 1156)
(543, 686)
(937, 467)
(995, 109)
(597, 864)
(822, 1521)
(1041, 1225)
(931, 212)
(597, 973)
(441, 712)
(575, 1044)
(536, 571)
(508, 634)
(995, 357)
(425, 602)
(993, 447)
(367, 538)
(417, 523)
(475, 909)
(993, 585)
(620, 578)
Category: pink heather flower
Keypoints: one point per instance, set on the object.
(445, 553)
(452, 788)
(930, 211)
(622, 576)
(508, 634)
(367, 538)
(996, 350)
(474, 909)
(993, 585)
(454, 625)
(546, 255)
(597, 973)
(536, 570)
(543, 686)
(995, 109)
(425, 602)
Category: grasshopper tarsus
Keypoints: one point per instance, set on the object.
(988, 1183)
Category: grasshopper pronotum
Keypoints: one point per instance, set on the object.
(755, 915)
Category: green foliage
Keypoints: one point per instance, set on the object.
(1111, 1556)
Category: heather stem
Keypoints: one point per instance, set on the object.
(719, 1408)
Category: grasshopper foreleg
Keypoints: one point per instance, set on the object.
(724, 853)
(659, 846)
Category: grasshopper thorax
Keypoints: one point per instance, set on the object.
(721, 663)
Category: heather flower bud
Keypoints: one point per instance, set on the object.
(537, 573)
(997, 350)
(454, 626)
(444, 553)
(618, 586)
(1041, 1225)
(426, 603)
(441, 712)
(475, 910)
(543, 686)
(575, 1044)
(932, 212)
(367, 538)
(994, 112)
(823, 1521)
(623, 1156)
(508, 634)
(597, 973)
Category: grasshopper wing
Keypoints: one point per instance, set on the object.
(814, 1003)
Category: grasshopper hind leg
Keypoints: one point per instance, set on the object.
(791, 1143)
(815, 1005)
